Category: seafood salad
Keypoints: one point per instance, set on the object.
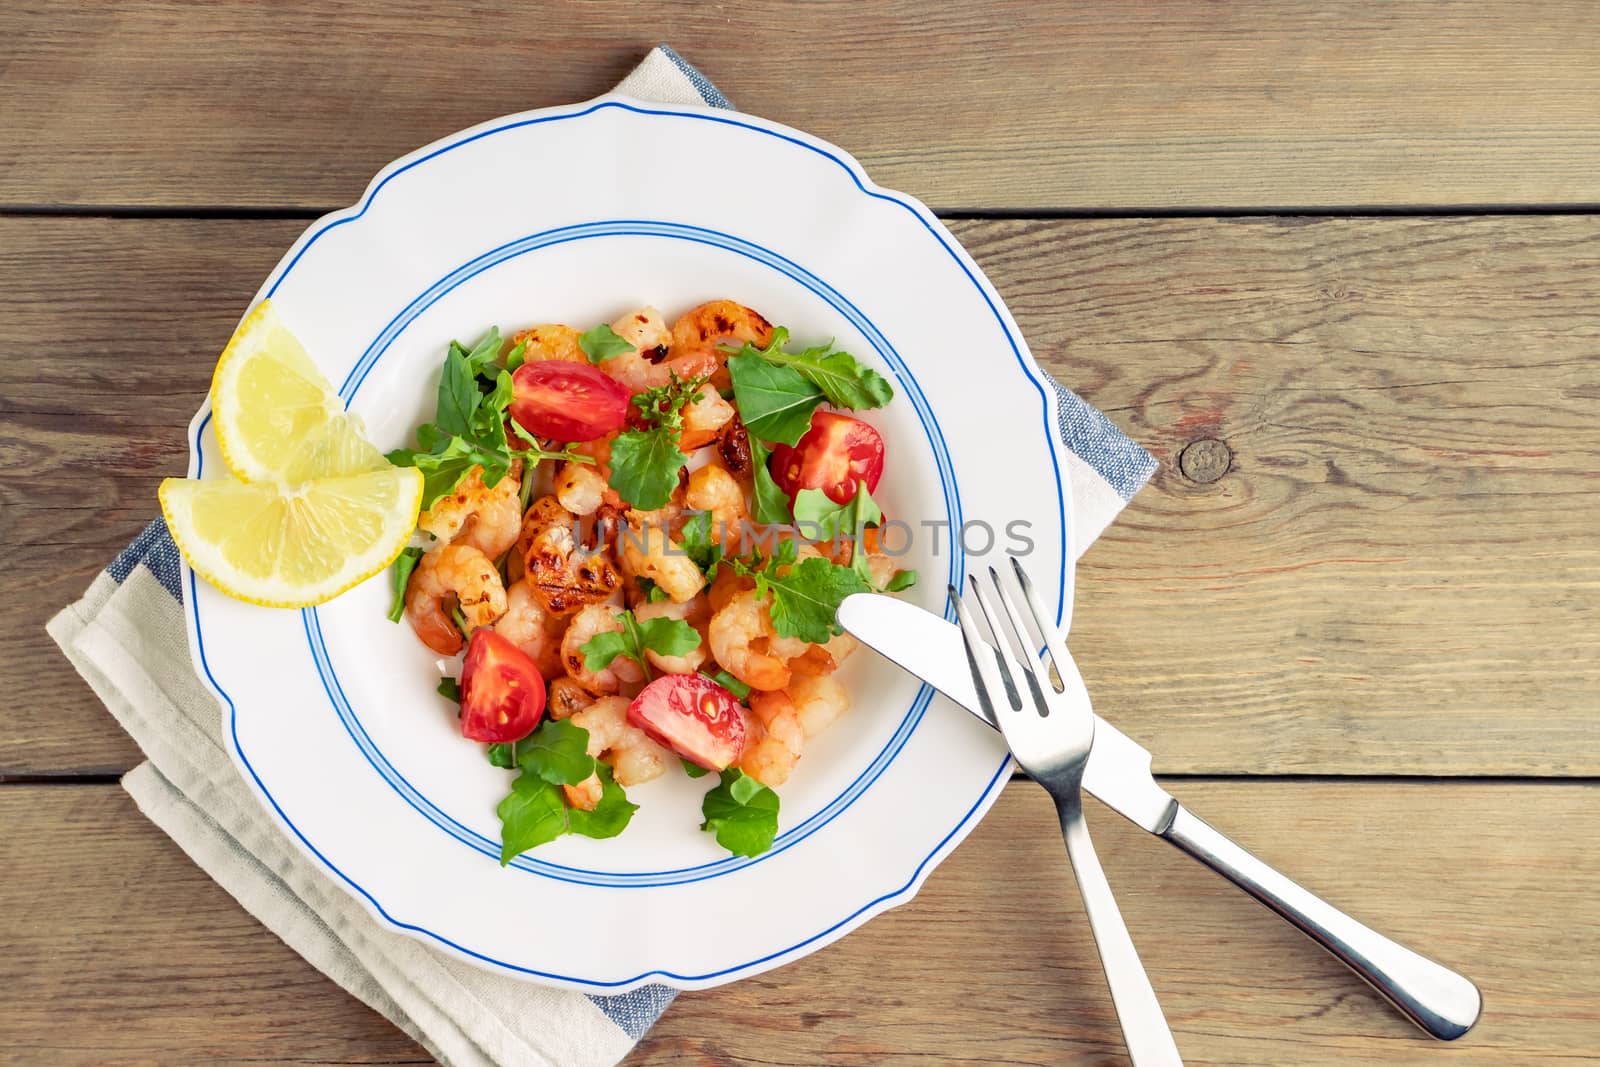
(639, 536)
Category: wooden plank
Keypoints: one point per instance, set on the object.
(1396, 575)
(1104, 105)
(992, 963)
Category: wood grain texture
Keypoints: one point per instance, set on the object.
(1397, 575)
(1107, 104)
(106, 922)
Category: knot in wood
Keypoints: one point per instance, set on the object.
(1205, 460)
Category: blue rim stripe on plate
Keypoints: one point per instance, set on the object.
(933, 229)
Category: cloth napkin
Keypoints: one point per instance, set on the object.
(126, 637)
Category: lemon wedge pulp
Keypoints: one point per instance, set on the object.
(311, 507)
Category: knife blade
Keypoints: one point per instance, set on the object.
(1438, 1000)
(921, 643)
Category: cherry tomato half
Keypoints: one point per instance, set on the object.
(834, 456)
(692, 715)
(567, 401)
(502, 692)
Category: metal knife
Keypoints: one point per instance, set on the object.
(1435, 998)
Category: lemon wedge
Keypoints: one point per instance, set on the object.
(292, 546)
(277, 419)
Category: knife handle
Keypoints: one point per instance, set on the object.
(1437, 999)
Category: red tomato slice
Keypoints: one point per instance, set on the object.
(692, 715)
(502, 692)
(567, 401)
(834, 456)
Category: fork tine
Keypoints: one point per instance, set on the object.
(984, 672)
(1002, 658)
(1023, 644)
(1047, 630)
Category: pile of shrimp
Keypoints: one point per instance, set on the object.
(525, 574)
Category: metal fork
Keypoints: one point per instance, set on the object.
(1050, 728)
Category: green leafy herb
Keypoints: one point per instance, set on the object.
(814, 508)
(668, 637)
(503, 754)
(533, 813)
(602, 342)
(840, 376)
(610, 816)
(645, 466)
(730, 683)
(771, 503)
(517, 356)
(653, 593)
(696, 540)
(900, 580)
(536, 810)
(449, 688)
(469, 427)
(693, 770)
(742, 812)
(775, 402)
(645, 463)
(557, 752)
(805, 595)
(404, 564)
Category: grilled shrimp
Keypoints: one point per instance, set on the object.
(565, 698)
(590, 622)
(713, 489)
(474, 514)
(817, 701)
(694, 612)
(651, 364)
(711, 324)
(704, 418)
(775, 741)
(633, 757)
(824, 658)
(580, 488)
(563, 577)
(550, 341)
(648, 553)
(717, 322)
(744, 641)
(531, 628)
(453, 576)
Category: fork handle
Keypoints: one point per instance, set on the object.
(1440, 1001)
(1144, 1026)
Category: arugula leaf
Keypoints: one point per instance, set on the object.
(533, 813)
(805, 599)
(503, 754)
(610, 816)
(444, 465)
(602, 342)
(484, 354)
(404, 564)
(771, 503)
(449, 688)
(557, 752)
(653, 593)
(840, 376)
(459, 395)
(645, 466)
(693, 770)
(694, 537)
(517, 356)
(731, 684)
(775, 402)
(742, 812)
(668, 637)
(900, 580)
(814, 507)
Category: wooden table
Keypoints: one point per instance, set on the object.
(1355, 244)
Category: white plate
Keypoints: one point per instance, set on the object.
(574, 215)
